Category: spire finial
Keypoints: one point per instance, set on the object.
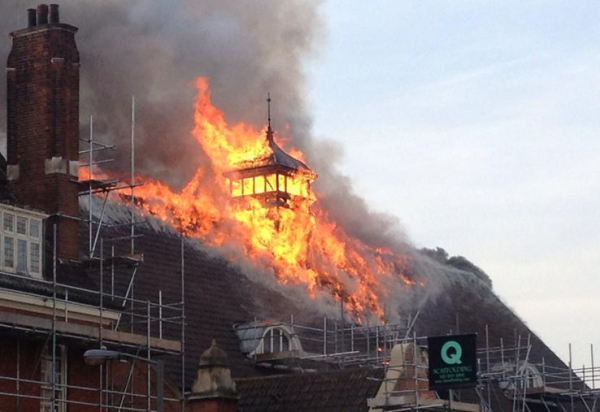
(269, 109)
(269, 130)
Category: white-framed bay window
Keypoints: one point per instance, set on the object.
(21, 239)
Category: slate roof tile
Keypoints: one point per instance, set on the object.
(218, 296)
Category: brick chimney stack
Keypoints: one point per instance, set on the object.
(43, 123)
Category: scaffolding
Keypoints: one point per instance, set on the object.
(333, 341)
(72, 316)
(63, 316)
(506, 375)
(66, 329)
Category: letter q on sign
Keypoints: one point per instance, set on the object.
(449, 357)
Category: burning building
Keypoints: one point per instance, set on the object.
(242, 294)
(276, 178)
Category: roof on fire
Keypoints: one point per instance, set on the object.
(277, 159)
(220, 294)
(281, 158)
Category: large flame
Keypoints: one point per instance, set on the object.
(301, 243)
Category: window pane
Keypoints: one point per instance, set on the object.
(34, 228)
(286, 344)
(268, 342)
(247, 188)
(259, 184)
(21, 225)
(236, 188)
(21, 255)
(271, 183)
(9, 252)
(281, 182)
(9, 222)
(34, 251)
(297, 187)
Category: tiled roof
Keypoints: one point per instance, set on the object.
(70, 278)
(467, 307)
(344, 390)
(218, 296)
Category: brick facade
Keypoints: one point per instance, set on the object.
(22, 358)
(43, 126)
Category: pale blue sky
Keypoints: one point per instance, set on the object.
(477, 123)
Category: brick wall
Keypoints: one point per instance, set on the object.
(43, 127)
(21, 357)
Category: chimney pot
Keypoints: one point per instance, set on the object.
(31, 18)
(42, 14)
(54, 17)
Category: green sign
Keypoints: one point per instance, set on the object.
(452, 361)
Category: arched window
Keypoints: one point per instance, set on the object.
(276, 340)
(263, 338)
(530, 377)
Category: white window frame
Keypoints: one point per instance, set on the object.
(29, 216)
(273, 341)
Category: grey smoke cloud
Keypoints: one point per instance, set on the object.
(154, 49)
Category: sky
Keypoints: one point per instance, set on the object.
(476, 123)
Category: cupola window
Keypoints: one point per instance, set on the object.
(274, 178)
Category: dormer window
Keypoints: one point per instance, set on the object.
(530, 376)
(21, 241)
(275, 340)
(266, 340)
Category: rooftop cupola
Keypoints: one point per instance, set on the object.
(274, 178)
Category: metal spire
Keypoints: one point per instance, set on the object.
(269, 129)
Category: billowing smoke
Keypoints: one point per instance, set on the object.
(155, 49)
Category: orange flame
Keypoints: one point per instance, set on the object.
(299, 242)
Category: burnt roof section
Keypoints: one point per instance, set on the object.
(345, 390)
(218, 296)
(278, 159)
(281, 158)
